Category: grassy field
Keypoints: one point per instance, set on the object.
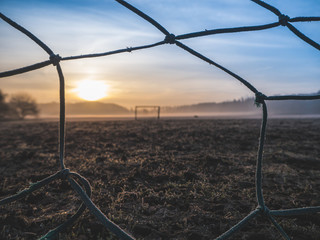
(167, 179)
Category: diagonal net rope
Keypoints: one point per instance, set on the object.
(82, 187)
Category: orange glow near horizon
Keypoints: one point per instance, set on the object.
(91, 90)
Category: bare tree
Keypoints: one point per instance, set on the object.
(4, 108)
(22, 105)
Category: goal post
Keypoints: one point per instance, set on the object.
(147, 111)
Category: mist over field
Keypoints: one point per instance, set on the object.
(240, 108)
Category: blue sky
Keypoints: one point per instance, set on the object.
(275, 61)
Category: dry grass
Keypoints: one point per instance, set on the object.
(168, 179)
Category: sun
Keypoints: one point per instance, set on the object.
(91, 90)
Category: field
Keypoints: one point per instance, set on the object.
(167, 179)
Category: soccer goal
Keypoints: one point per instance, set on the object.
(147, 112)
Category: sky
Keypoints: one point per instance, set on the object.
(274, 61)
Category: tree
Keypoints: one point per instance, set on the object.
(22, 104)
(4, 107)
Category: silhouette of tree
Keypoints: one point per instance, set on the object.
(22, 105)
(4, 107)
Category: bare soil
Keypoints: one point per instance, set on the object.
(167, 179)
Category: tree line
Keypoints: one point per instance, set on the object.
(18, 106)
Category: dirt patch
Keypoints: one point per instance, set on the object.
(167, 179)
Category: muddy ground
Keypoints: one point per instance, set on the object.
(167, 179)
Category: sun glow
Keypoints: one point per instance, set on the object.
(91, 90)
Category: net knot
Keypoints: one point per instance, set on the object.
(260, 97)
(170, 38)
(283, 19)
(264, 209)
(55, 59)
(64, 173)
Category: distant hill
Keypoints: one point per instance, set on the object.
(285, 107)
(243, 105)
(83, 108)
(237, 107)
